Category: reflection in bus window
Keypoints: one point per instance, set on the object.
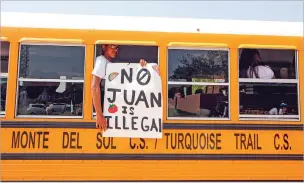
(198, 65)
(51, 62)
(275, 93)
(62, 93)
(198, 101)
(198, 83)
(5, 49)
(50, 98)
(126, 54)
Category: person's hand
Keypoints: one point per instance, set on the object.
(142, 62)
(101, 122)
(155, 67)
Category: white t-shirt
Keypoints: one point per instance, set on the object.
(273, 111)
(100, 66)
(264, 72)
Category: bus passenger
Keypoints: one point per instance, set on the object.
(251, 65)
(282, 110)
(109, 52)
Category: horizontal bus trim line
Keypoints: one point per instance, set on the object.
(103, 156)
(251, 180)
(182, 126)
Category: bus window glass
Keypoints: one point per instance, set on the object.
(268, 84)
(125, 54)
(51, 62)
(5, 49)
(51, 80)
(198, 85)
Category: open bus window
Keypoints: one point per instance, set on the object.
(198, 85)
(268, 84)
(51, 80)
(5, 49)
(126, 54)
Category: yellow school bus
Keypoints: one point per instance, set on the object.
(232, 93)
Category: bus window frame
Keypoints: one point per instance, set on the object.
(199, 46)
(283, 118)
(50, 42)
(126, 43)
(5, 74)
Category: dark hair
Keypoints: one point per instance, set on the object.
(247, 60)
(101, 50)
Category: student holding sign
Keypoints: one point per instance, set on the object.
(109, 52)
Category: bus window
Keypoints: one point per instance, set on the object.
(198, 83)
(50, 80)
(268, 84)
(5, 49)
(126, 54)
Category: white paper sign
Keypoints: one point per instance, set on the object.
(133, 101)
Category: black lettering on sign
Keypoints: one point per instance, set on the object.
(124, 75)
(131, 111)
(71, 140)
(142, 97)
(146, 125)
(126, 98)
(104, 142)
(250, 141)
(134, 123)
(124, 124)
(193, 141)
(144, 128)
(116, 123)
(114, 94)
(124, 111)
(156, 100)
(142, 74)
(27, 139)
(108, 122)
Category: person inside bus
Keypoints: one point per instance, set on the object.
(109, 52)
(282, 110)
(252, 66)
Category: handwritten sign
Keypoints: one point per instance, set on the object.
(133, 101)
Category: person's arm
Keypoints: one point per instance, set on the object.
(95, 89)
(98, 73)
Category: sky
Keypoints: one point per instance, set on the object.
(237, 10)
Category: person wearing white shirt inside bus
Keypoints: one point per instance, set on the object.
(282, 110)
(109, 52)
(251, 65)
